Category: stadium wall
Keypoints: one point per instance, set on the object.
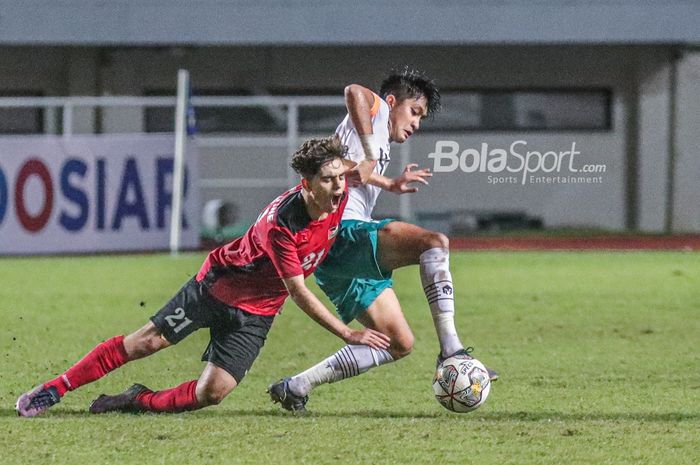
(637, 150)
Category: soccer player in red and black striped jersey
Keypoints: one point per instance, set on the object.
(236, 294)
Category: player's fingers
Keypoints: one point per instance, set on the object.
(371, 336)
(411, 190)
(410, 166)
(378, 343)
(368, 340)
(379, 335)
(416, 179)
(382, 345)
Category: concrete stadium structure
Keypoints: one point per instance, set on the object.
(639, 61)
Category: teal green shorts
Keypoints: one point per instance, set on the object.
(350, 275)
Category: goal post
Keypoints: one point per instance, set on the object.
(181, 115)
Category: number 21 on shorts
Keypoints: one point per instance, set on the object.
(178, 321)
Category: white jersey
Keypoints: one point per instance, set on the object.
(362, 199)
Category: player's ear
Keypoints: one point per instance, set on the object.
(305, 184)
(391, 100)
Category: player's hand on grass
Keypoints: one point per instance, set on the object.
(401, 184)
(368, 337)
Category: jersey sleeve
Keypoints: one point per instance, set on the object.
(380, 122)
(282, 251)
(375, 105)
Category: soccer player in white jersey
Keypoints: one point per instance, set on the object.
(356, 275)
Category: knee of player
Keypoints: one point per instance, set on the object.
(211, 396)
(138, 345)
(402, 347)
(434, 239)
(153, 344)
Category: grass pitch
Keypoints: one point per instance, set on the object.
(599, 356)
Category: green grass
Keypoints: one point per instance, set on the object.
(599, 355)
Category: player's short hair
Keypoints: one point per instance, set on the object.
(314, 153)
(411, 83)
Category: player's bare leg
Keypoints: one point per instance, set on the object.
(145, 341)
(401, 244)
(104, 358)
(214, 385)
(383, 315)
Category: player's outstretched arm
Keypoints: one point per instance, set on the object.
(309, 303)
(359, 101)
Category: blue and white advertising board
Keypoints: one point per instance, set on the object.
(92, 193)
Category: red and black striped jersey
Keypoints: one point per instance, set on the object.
(284, 242)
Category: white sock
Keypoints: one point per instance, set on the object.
(349, 361)
(439, 290)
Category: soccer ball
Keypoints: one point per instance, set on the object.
(461, 384)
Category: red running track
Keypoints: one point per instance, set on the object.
(612, 242)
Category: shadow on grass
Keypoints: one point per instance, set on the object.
(216, 412)
(493, 417)
(388, 414)
(591, 416)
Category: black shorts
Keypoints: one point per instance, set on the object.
(236, 335)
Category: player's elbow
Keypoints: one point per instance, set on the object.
(297, 292)
(352, 90)
(355, 94)
(295, 286)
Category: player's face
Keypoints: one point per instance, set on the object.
(405, 116)
(327, 187)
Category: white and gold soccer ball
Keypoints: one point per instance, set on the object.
(461, 384)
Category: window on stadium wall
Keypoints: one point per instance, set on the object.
(21, 120)
(216, 119)
(541, 109)
(317, 119)
(462, 110)
(249, 119)
(523, 110)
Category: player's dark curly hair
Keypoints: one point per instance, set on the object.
(314, 153)
(411, 83)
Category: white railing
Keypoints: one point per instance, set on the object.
(290, 138)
